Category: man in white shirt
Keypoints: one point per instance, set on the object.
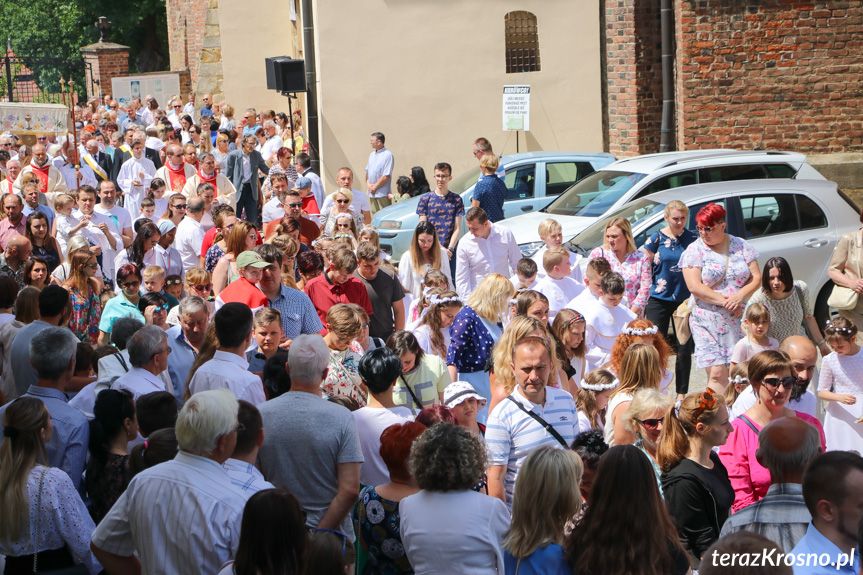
(273, 143)
(379, 369)
(148, 356)
(359, 204)
(240, 467)
(100, 229)
(273, 209)
(134, 178)
(489, 249)
(229, 368)
(118, 216)
(190, 234)
(66, 162)
(557, 285)
(379, 172)
(182, 516)
(516, 425)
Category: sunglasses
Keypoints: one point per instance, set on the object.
(345, 226)
(338, 533)
(773, 383)
(130, 285)
(202, 287)
(651, 423)
(163, 307)
(705, 229)
(294, 205)
(179, 206)
(343, 201)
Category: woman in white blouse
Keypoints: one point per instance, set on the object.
(425, 253)
(39, 500)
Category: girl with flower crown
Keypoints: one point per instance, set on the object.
(433, 330)
(592, 399)
(841, 386)
(642, 331)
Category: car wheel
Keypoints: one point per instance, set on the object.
(823, 312)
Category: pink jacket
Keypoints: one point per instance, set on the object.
(748, 477)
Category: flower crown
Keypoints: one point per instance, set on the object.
(837, 329)
(737, 380)
(597, 387)
(435, 300)
(640, 332)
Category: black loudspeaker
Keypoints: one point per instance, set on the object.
(271, 73)
(290, 75)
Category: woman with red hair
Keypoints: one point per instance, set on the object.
(642, 331)
(721, 272)
(377, 512)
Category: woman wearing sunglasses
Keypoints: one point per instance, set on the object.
(645, 415)
(154, 306)
(694, 481)
(341, 207)
(772, 380)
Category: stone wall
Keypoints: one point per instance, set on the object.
(186, 27)
(790, 71)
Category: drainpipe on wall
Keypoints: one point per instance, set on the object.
(666, 17)
(311, 83)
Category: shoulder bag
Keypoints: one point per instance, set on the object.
(843, 298)
(799, 293)
(545, 425)
(683, 311)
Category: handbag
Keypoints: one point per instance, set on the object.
(843, 298)
(74, 570)
(680, 317)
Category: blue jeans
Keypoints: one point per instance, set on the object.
(246, 203)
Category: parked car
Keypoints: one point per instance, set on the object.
(533, 179)
(629, 179)
(799, 220)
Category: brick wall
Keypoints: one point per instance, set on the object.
(789, 70)
(106, 61)
(186, 25)
(633, 76)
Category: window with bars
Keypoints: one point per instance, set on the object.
(522, 43)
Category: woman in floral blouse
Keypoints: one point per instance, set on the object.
(84, 295)
(669, 290)
(344, 323)
(627, 260)
(721, 272)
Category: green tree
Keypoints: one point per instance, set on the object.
(45, 33)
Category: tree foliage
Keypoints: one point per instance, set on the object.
(58, 28)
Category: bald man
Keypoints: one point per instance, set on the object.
(52, 182)
(803, 356)
(785, 447)
(175, 172)
(14, 257)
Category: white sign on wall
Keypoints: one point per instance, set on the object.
(516, 108)
(160, 86)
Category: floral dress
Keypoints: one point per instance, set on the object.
(379, 523)
(715, 330)
(636, 272)
(86, 311)
(343, 377)
(214, 254)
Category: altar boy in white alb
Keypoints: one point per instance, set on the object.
(134, 178)
(597, 268)
(551, 234)
(557, 284)
(605, 320)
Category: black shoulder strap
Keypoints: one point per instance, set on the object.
(751, 425)
(121, 360)
(411, 392)
(545, 425)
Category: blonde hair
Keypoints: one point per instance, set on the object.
(548, 226)
(675, 205)
(153, 272)
(489, 162)
(740, 370)
(554, 257)
(639, 369)
(644, 403)
(548, 497)
(345, 192)
(678, 426)
(517, 329)
(61, 201)
(625, 227)
(266, 316)
(197, 276)
(491, 297)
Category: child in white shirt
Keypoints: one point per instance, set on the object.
(525, 274)
(605, 320)
(551, 234)
(65, 224)
(557, 283)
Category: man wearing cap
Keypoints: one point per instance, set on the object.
(303, 162)
(379, 370)
(533, 414)
(51, 180)
(310, 205)
(244, 166)
(245, 288)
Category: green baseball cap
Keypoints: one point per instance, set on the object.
(250, 258)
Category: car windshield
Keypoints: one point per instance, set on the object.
(594, 235)
(464, 181)
(593, 195)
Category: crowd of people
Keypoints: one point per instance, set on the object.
(209, 365)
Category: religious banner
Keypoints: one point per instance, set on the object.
(27, 119)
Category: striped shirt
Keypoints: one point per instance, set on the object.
(246, 476)
(512, 434)
(182, 516)
(781, 516)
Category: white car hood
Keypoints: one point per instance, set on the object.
(525, 228)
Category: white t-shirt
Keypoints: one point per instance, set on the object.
(558, 292)
(371, 423)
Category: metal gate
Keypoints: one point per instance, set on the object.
(37, 78)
